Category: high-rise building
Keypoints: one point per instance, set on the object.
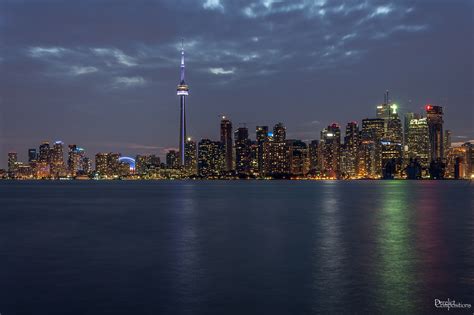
(172, 159)
(12, 164)
(74, 161)
(434, 117)
(331, 151)
(419, 141)
(243, 156)
(182, 92)
(211, 158)
(372, 133)
(262, 137)
(57, 160)
(314, 157)
(298, 157)
(383, 110)
(44, 153)
(276, 153)
(350, 150)
(32, 155)
(190, 157)
(447, 141)
(86, 165)
(226, 140)
(113, 164)
(101, 164)
(406, 125)
(147, 164)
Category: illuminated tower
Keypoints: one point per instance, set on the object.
(182, 92)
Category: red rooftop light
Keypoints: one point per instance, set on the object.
(428, 107)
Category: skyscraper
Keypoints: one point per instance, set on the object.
(190, 156)
(211, 158)
(172, 159)
(242, 151)
(351, 145)
(182, 92)
(418, 141)
(74, 161)
(44, 153)
(372, 133)
(57, 159)
(262, 137)
(226, 140)
(331, 150)
(12, 164)
(32, 155)
(434, 116)
(276, 155)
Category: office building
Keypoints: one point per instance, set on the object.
(226, 140)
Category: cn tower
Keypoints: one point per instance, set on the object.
(182, 92)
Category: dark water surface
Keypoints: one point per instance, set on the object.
(235, 247)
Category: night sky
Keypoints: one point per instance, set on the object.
(103, 74)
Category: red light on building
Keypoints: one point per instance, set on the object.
(428, 107)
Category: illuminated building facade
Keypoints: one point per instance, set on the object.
(172, 160)
(190, 157)
(331, 151)
(314, 157)
(298, 157)
(12, 164)
(276, 159)
(243, 157)
(226, 140)
(262, 138)
(74, 161)
(419, 141)
(373, 130)
(44, 153)
(32, 155)
(349, 164)
(211, 158)
(57, 160)
(434, 116)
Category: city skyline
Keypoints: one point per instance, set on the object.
(114, 93)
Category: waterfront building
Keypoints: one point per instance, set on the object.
(276, 153)
(372, 133)
(190, 157)
(74, 161)
(58, 168)
(12, 164)
(226, 140)
(262, 138)
(331, 151)
(211, 158)
(172, 160)
(314, 157)
(243, 156)
(419, 142)
(298, 158)
(349, 165)
(434, 117)
(32, 155)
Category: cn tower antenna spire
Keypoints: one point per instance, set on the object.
(182, 61)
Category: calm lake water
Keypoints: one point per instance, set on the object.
(235, 247)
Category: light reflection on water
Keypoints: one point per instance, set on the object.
(253, 247)
(395, 267)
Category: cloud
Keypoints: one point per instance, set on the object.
(130, 81)
(219, 71)
(119, 56)
(213, 5)
(77, 70)
(38, 52)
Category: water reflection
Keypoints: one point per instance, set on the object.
(328, 251)
(186, 240)
(395, 267)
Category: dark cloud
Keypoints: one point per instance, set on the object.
(105, 72)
